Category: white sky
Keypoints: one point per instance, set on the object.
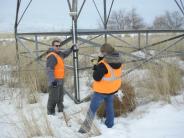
(52, 15)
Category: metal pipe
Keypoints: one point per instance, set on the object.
(182, 4)
(81, 8)
(16, 40)
(16, 27)
(160, 42)
(146, 38)
(75, 51)
(116, 37)
(69, 5)
(36, 45)
(98, 11)
(105, 20)
(89, 40)
(139, 41)
(98, 32)
(24, 12)
(179, 7)
(110, 11)
(152, 57)
(33, 41)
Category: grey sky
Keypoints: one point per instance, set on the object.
(52, 15)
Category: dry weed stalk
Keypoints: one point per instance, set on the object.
(32, 127)
(163, 81)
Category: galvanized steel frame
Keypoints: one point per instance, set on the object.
(74, 36)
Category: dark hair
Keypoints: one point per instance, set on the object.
(54, 41)
(107, 48)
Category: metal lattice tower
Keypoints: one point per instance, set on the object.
(74, 34)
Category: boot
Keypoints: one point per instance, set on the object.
(86, 126)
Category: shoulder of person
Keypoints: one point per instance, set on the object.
(102, 66)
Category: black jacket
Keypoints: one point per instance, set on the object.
(100, 70)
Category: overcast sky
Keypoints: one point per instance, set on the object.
(52, 15)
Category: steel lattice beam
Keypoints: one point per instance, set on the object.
(76, 34)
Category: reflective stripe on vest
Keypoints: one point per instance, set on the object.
(112, 77)
(111, 81)
(59, 67)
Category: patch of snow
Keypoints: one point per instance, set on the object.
(160, 121)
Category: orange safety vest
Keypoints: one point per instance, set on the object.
(59, 67)
(110, 82)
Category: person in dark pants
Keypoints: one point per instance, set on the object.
(107, 81)
(55, 72)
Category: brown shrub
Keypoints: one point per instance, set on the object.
(128, 100)
(121, 106)
(34, 79)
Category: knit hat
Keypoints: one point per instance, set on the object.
(107, 49)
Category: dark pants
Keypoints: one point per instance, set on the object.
(97, 99)
(55, 98)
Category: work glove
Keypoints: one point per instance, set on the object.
(119, 94)
(54, 84)
(100, 58)
(72, 48)
(94, 61)
(95, 67)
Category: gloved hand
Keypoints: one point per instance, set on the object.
(72, 48)
(54, 84)
(94, 67)
(94, 61)
(119, 94)
(100, 58)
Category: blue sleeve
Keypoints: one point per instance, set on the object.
(65, 53)
(51, 62)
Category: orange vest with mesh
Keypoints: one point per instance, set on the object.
(59, 71)
(110, 82)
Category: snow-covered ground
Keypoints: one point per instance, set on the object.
(153, 120)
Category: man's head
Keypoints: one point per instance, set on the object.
(56, 44)
(106, 49)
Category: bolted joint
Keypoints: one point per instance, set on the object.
(75, 48)
(73, 14)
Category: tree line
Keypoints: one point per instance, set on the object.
(125, 20)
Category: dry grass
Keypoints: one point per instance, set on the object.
(34, 79)
(124, 104)
(7, 55)
(35, 126)
(182, 57)
(6, 35)
(129, 98)
(164, 80)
